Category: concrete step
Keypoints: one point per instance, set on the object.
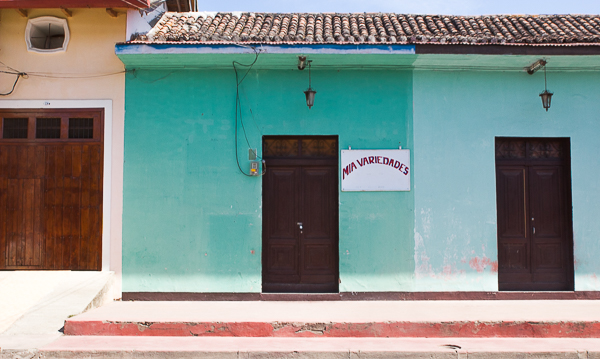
(385, 319)
(322, 348)
(35, 304)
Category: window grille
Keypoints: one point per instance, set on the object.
(15, 128)
(47, 128)
(81, 128)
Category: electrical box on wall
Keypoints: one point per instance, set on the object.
(254, 164)
(254, 168)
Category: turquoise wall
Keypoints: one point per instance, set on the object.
(192, 222)
(457, 115)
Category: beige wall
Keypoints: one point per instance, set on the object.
(90, 53)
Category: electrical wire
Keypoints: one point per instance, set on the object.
(151, 81)
(25, 75)
(19, 75)
(64, 76)
(12, 71)
(76, 76)
(53, 75)
(5, 65)
(251, 112)
(238, 112)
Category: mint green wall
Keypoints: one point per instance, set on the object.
(192, 222)
(456, 117)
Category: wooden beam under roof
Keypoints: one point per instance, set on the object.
(22, 12)
(111, 12)
(67, 12)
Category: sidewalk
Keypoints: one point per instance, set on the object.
(35, 304)
(325, 329)
(321, 348)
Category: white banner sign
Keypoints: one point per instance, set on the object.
(375, 170)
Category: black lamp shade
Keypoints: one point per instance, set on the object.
(310, 97)
(546, 99)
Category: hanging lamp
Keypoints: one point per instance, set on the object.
(546, 95)
(310, 93)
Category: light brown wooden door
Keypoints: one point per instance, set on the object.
(51, 165)
(300, 214)
(535, 247)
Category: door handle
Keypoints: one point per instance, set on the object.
(299, 224)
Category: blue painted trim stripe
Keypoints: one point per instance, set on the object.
(156, 49)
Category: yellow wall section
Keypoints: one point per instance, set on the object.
(90, 53)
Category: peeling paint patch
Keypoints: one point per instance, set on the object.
(479, 264)
(450, 272)
(422, 266)
(447, 270)
(424, 269)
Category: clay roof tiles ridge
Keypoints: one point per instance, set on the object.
(373, 28)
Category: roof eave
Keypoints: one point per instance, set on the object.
(510, 49)
(55, 4)
(138, 48)
(170, 47)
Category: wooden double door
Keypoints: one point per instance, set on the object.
(533, 182)
(300, 214)
(51, 168)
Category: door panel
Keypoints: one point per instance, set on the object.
(514, 257)
(546, 212)
(318, 257)
(535, 248)
(512, 205)
(279, 216)
(546, 202)
(23, 215)
(298, 188)
(318, 192)
(282, 183)
(513, 239)
(319, 215)
(283, 260)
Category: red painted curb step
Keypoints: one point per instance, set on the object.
(464, 329)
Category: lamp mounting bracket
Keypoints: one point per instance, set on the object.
(301, 62)
(532, 69)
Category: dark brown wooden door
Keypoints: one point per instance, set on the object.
(535, 250)
(300, 214)
(51, 189)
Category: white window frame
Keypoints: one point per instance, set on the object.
(47, 20)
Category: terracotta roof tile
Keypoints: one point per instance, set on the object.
(380, 28)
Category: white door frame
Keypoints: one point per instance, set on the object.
(107, 175)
